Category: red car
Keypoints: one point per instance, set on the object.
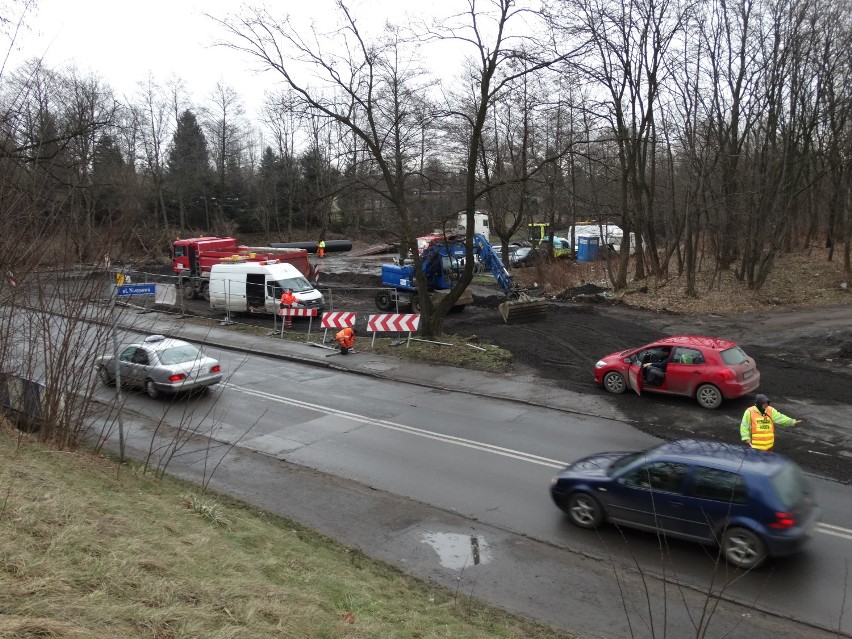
(706, 368)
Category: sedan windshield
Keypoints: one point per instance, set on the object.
(179, 354)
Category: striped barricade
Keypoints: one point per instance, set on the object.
(337, 320)
(393, 323)
(296, 311)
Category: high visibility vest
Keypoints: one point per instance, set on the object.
(346, 338)
(288, 299)
(762, 429)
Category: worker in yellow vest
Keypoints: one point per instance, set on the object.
(757, 428)
(321, 248)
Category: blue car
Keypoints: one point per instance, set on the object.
(752, 504)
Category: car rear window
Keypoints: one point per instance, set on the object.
(721, 485)
(733, 356)
(179, 354)
(791, 485)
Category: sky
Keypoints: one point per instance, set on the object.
(123, 42)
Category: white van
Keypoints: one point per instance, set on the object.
(256, 287)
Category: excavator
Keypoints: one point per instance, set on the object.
(443, 263)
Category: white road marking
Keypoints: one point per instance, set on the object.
(402, 428)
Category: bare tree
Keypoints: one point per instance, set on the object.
(372, 90)
(155, 129)
(627, 43)
(225, 123)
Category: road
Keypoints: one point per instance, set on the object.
(424, 477)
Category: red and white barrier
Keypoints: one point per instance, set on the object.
(296, 311)
(337, 320)
(393, 323)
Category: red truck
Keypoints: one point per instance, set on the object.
(192, 259)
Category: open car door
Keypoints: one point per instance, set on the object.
(634, 374)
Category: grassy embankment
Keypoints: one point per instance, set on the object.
(91, 549)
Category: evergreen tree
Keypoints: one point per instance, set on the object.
(188, 181)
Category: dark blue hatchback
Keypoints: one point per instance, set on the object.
(752, 504)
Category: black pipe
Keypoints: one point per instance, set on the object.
(331, 246)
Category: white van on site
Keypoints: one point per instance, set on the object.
(256, 287)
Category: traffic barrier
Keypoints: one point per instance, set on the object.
(337, 320)
(393, 323)
(296, 311)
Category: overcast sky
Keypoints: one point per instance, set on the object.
(122, 42)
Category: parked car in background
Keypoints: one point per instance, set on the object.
(518, 254)
(709, 369)
(532, 257)
(752, 504)
(159, 364)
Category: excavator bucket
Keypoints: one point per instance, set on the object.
(523, 309)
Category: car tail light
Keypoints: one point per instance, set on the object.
(783, 520)
(727, 374)
(216, 369)
(177, 377)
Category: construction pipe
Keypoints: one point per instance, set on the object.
(331, 246)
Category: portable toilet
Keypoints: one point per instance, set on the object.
(588, 249)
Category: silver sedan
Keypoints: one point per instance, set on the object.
(161, 365)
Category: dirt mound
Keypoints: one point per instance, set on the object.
(585, 292)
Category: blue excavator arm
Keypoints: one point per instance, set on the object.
(492, 261)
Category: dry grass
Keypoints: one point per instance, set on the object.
(801, 279)
(89, 551)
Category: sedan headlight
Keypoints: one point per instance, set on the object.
(600, 364)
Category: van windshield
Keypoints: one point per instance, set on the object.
(296, 284)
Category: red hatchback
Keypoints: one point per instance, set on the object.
(706, 368)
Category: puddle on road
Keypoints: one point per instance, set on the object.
(458, 551)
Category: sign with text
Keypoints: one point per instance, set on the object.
(136, 289)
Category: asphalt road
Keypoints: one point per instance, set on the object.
(804, 356)
(415, 475)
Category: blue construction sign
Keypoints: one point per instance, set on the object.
(136, 289)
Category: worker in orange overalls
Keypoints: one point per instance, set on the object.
(288, 300)
(346, 340)
(321, 248)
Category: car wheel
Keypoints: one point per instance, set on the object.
(415, 304)
(614, 382)
(708, 396)
(151, 389)
(105, 377)
(742, 548)
(205, 292)
(584, 510)
(383, 301)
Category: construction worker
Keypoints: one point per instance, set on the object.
(757, 428)
(346, 340)
(321, 248)
(288, 300)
